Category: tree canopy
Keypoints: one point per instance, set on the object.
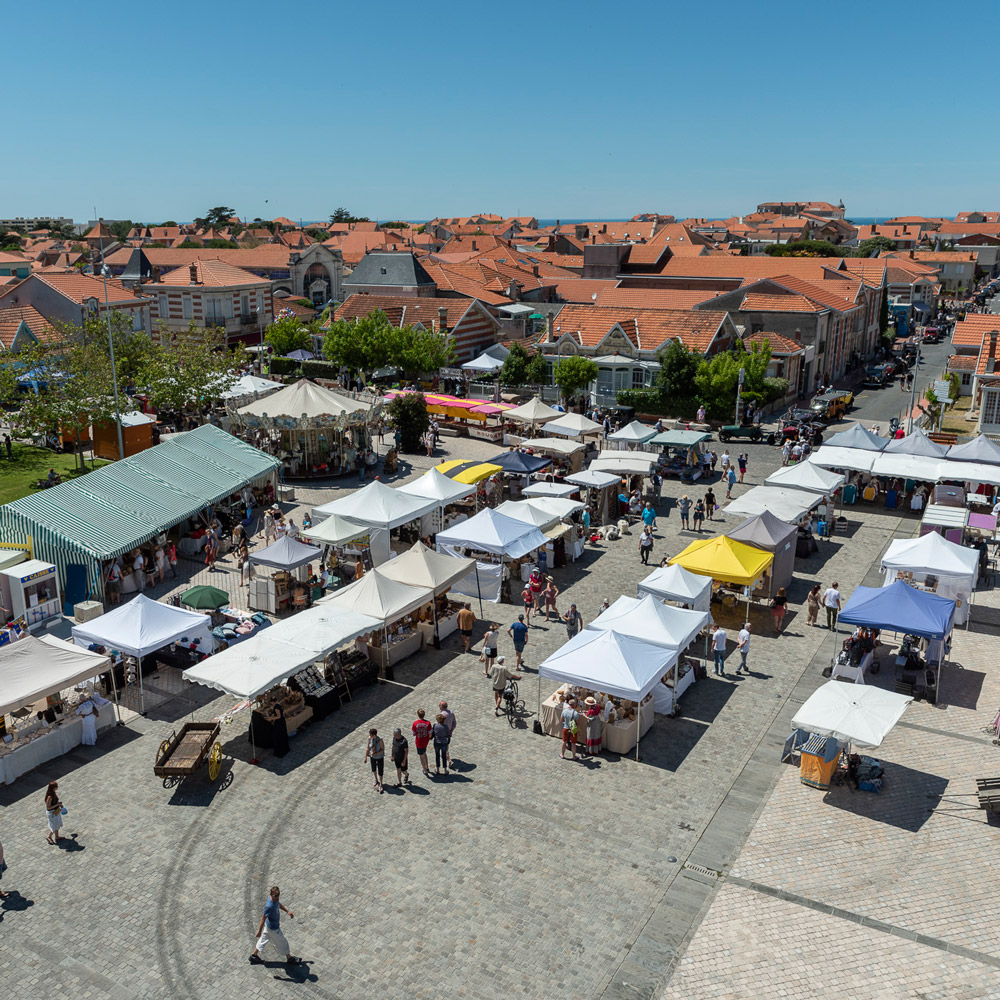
(806, 248)
(873, 245)
(287, 334)
(520, 368)
(408, 413)
(573, 374)
(678, 371)
(718, 377)
(372, 342)
(342, 214)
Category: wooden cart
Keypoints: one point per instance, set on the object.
(186, 751)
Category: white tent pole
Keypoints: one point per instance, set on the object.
(114, 688)
(638, 720)
(139, 672)
(479, 590)
(538, 688)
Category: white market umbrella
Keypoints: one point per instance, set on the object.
(851, 713)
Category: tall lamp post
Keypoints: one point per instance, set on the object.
(913, 386)
(111, 340)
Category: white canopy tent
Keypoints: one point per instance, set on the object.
(789, 505)
(916, 443)
(969, 472)
(378, 596)
(920, 467)
(674, 583)
(955, 568)
(619, 665)
(378, 506)
(593, 479)
(637, 463)
(854, 459)
(249, 387)
(633, 433)
(978, 449)
(485, 362)
(572, 425)
(436, 486)
(806, 476)
(858, 437)
(304, 400)
(491, 531)
(561, 507)
(532, 412)
(33, 668)
(142, 626)
(528, 511)
(286, 553)
(851, 713)
(319, 630)
(554, 445)
(420, 566)
(335, 530)
(549, 490)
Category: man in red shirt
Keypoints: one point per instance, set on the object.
(422, 731)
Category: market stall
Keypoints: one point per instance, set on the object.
(946, 520)
(315, 431)
(283, 588)
(854, 449)
(39, 717)
(30, 591)
(674, 583)
(495, 535)
(554, 489)
(247, 388)
(566, 454)
(769, 534)
(683, 454)
(445, 493)
(807, 477)
(834, 718)
(914, 456)
(632, 435)
(790, 505)
(940, 567)
(901, 608)
(626, 463)
(736, 569)
(399, 608)
(423, 567)
(534, 412)
(574, 425)
(602, 491)
(142, 626)
(614, 666)
(650, 620)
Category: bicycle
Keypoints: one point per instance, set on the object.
(993, 729)
(512, 706)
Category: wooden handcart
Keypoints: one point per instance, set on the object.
(186, 751)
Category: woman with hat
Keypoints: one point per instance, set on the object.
(594, 725)
(549, 595)
(536, 585)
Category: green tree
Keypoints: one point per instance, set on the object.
(537, 372)
(120, 229)
(319, 235)
(218, 217)
(573, 374)
(676, 380)
(188, 367)
(883, 312)
(218, 244)
(416, 350)
(340, 215)
(718, 377)
(408, 413)
(874, 244)
(358, 345)
(806, 248)
(288, 334)
(515, 366)
(10, 240)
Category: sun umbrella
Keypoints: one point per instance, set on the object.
(205, 598)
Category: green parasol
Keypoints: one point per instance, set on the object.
(205, 598)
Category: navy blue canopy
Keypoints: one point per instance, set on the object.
(900, 608)
(519, 462)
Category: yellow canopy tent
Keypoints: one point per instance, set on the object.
(467, 472)
(725, 560)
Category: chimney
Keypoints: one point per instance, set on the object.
(194, 274)
(156, 275)
(911, 254)
(442, 319)
(548, 329)
(534, 270)
(474, 247)
(604, 228)
(552, 245)
(593, 239)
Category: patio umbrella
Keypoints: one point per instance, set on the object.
(301, 355)
(205, 598)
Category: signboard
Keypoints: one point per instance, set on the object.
(942, 388)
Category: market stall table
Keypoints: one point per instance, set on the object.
(618, 736)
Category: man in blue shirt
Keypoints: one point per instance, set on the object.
(269, 930)
(519, 633)
(649, 516)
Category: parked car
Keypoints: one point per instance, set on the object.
(876, 376)
(831, 405)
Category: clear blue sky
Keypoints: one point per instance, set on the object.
(410, 110)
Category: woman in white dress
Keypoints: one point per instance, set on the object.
(53, 810)
(88, 712)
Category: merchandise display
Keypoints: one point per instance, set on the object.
(617, 715)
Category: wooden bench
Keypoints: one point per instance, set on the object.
(988, 791)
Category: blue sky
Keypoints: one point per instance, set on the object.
(403, 110)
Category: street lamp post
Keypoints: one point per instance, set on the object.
(111, 341)
(913, 385)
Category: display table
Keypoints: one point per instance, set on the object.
(17, 759)
(262, 728)
(855, 674)
(323, 703)
(446, 625)
(486, 433)
(618, 737)
(387, 656)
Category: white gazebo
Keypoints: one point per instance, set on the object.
(633, 434)
(533, 412)
(572, 425)
(674, 583)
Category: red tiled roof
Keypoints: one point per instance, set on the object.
(963, 362)
(989, 351)
(405, 310)
(649, 329)
(77, 287)
(669, 237)
(969, 332)
(583, 290)
(653, 298)
(758, 302)
(779, 344)
(11, 319)
(212, 274)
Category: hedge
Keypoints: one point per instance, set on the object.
(284, 366)
(320, 369)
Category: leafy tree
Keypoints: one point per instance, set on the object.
(169, 222)
(319, 235)
(190, 245)
(515, 366)
(883, 312)
(573, 374)
(806, 248)
(10, 240)
(718, 377)
(875, 243)
(120, 229)
(218, 217)
(217, 244)
(395, 225)
(372, 342)
(538, 371)
(340, 215)
(678, 371)
(408, 413)
(421, 229)
(416, 350)
(288, 334)
(188, 366)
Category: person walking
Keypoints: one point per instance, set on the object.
(778, 603)
(171, 554)
(500, 677)
(270, 531)
(528, 603)
(401, 757)
(570, 727)
(549, 596)
(645, 545)
(715, 459)
(422, 732)
(451, 722)
(88, 728)
(786, 452)
(741, 461)
(700, 415)
(710, 504)
(726, 461)
(831, 601)
(269, 930)
(719, 649)
(743, 647)
(113, 583)
(812, 605)
(684, 506)
(441, 740)
(490, 637)
(54, 811)
(375, 752)
(649, 516)
(466, 622)
(518, 632)
(3, 868)
(573, 620)
(730, 482)
(699, 515)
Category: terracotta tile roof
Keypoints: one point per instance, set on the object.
(76, 287)
(728, 266)
(583, 290)
(988, 216)
(932, 257)
(282, 221)
(100, 231)
(213, 273)
(840, 295)
(989, 354)
(450, 280)
(11, 319)
(759, 302)
(969, 332)
(969, 228)
(405, 310)
(653, 298)
(963, 362)
(267, 255)
(870, 270)
(6, 257)
(648, 329)
(779, 344)
(669, 237)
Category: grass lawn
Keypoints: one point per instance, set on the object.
(18, 477)
(954, 417)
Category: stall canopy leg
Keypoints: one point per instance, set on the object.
(142, 701)
(114, 688)
(638, 727)
(479, 591)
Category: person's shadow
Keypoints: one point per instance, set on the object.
(14, 902)
(293, 973)
(70, 843)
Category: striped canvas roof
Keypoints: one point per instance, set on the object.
(113, 509)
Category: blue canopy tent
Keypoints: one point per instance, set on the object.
(519, 463)
(902, 608)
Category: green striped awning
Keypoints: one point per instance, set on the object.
(115, 508)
